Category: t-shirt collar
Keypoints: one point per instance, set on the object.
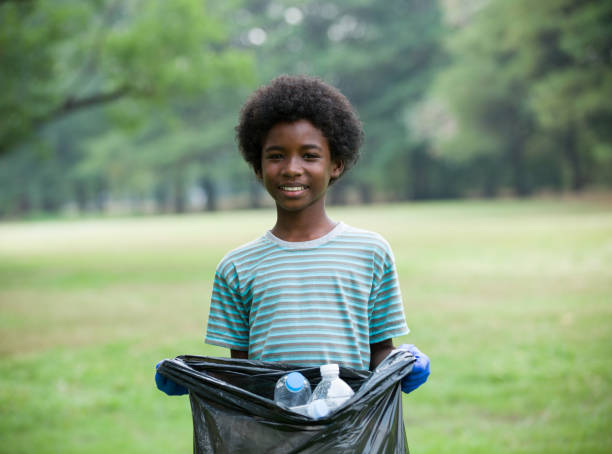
(339, 228)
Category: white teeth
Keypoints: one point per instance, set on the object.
(293, 188)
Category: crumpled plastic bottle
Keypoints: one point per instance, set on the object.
(332, 390)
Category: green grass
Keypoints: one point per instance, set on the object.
(512, 301)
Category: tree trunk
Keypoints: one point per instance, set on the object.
(179, 203)
(24, 205)
(80, 196)
(49, 203)
(491, 178)
(160, 197)
(366, 193)
(337, 194)
(210, 190)
(254, 195)
(574, 159)
(100, 195)
(517, 161)
(420, 166)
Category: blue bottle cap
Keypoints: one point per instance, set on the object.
(295, 382)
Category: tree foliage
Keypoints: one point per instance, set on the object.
(382, 55)
(128, 72)
(136, 100)
(62, 57)
(528, 88)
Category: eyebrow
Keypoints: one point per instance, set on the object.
(306, 146)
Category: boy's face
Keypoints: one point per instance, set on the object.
(296, 165)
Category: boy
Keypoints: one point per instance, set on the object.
(310, 291)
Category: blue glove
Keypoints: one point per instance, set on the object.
(168, 386)
(420, 369)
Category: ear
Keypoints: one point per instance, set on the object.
(337, 169)
(258, 174)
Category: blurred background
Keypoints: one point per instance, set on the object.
(129, 106)
(487, 166)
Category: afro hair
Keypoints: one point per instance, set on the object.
(288, 99)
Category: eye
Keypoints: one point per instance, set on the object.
(311, 156)
(274, 156)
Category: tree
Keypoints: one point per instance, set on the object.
(382, 55)
(82, 77)
(188, 144)
(527, 89)
(570, 99)
(63, 57)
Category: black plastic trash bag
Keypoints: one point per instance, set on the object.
(233, 411)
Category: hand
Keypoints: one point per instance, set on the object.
(420, 369)
(168, 386)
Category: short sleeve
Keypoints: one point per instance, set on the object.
(228, 319)
(386, 309)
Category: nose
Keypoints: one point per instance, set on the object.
(292, 167)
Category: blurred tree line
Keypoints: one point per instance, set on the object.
(130, 105)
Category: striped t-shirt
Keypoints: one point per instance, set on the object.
(308, 303)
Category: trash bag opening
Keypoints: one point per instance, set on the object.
(231, 413)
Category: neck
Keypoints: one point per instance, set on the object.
(301, 226)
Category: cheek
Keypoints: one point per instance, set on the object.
(267, 175)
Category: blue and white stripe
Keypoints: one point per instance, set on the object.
(308, 303)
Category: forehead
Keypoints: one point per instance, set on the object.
(301, 131)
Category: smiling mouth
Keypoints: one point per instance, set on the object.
(293, 188)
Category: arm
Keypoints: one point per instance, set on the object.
(388, 308)
(380, 351)
(386, 318)
(239, 354)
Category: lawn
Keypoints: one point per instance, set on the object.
(512, 301)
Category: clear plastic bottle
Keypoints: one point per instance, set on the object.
(292, 390)
(316, 409)
(332, 389)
